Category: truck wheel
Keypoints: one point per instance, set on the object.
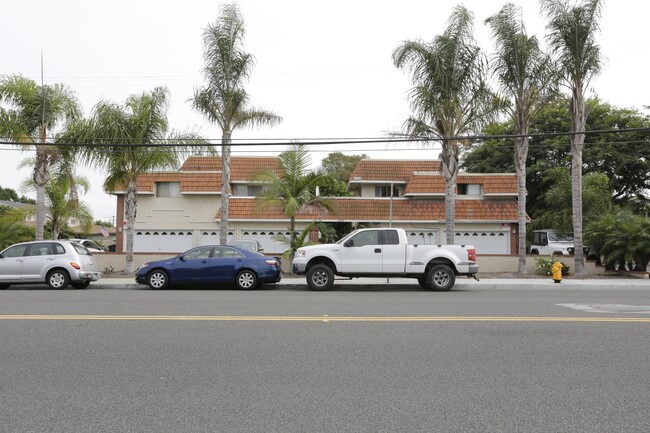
(320, 277)
(441, 278)
(534, 253)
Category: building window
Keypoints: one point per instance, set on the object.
(469, 189)
(247, 190)
(384, 191)
(168, 189)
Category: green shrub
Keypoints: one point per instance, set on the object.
(543, 266)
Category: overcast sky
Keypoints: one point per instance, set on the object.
(325, 67)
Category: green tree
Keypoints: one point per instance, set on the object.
(623, 156)
(292, 190)
(621, 237)
(9, 194)
(450, 97)
(12, 232)
(124, 140)
(557, 212)
(339, 166)
(33, 112)
(223, 99)
(571, 36)
(526, 76)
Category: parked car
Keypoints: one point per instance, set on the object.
(55, 263)
(91, 246)
(211, 265)
(251, 245)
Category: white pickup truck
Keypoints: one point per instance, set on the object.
(384, 252)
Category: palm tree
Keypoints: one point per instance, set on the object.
(293, 189)
(571, 35)
(62, 196)
(223, 100)
(450, 97)
(527, 77)
(127, 141)
(33, 112)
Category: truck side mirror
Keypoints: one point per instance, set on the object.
(349, 243)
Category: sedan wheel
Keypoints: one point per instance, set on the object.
(58, 280)
(158, 280)
(246, 280)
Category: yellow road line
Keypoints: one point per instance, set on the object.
(325, 318)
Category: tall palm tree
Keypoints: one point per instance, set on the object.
(571, 36)
(450, 97)
(127, 141)
(293, 189)
(223, 99)
(526, 76)
(62, 195)
(33, 112)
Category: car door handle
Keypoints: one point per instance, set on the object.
(378, 250)
(50, 258)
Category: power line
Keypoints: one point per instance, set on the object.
(176, 142)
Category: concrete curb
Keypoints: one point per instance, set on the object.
(411, 284)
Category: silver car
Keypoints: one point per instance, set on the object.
(55, 263)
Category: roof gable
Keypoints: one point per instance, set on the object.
(387, 170)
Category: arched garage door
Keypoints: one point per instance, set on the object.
(422, 237)
(163, 241)
(485, 242)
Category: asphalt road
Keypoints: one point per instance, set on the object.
(358, 360)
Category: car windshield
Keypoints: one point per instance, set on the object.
(560, 237)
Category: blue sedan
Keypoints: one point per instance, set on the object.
(211, 265)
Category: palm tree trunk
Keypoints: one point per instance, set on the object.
(292, 237)
(578, 120)
(449, 157)
(225, 186)
(41, 176)
(130, 203)
(521, 153)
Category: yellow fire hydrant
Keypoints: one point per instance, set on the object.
(556, 271)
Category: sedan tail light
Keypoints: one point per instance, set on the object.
(272, 262)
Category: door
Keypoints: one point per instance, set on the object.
(227, 262)
(39, 258)
(11, 263)
(393, 254)
(194, 267)
(362, 253)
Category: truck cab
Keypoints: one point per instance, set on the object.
(548, 242)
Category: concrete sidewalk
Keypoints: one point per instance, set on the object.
(293, 283)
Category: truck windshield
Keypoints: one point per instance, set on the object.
(344, 238)
(560, 237)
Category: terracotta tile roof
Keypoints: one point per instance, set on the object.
(242, 168)
(397, 170)
(190, 182)
(435, 184)
(355, 209)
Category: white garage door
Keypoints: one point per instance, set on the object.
(485, 242)
(211, 237)
(422, 237)
(164, 241)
